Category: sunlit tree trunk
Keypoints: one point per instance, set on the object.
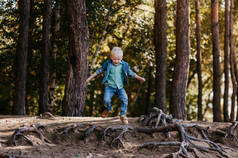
(75, 89)
(232, 65)
(234, 56)
(21, 59)
(199, 72)
(160, 42)
(216, 62)
(54, 53)
(44, 75)
(226, 62)
(181, 70)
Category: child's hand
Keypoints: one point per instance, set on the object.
(142, 80)
(88, 80)
(91, 77)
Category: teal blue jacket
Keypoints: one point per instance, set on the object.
(106, 66)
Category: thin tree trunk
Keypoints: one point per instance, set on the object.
(234, 84)
(216, 62)
(44, 76)
(21, 59)
(91, 95)
(199, 56)
(75, 89)
(160, 42)
(29, 57)
(226, 62)
(180, 75)
(147, 103)
(235, 89)
(232, 64)
(54, 53)
(103, 36)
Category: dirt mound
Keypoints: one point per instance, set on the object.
(72, 137)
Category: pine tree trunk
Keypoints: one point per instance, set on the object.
(235, 88)
(21, 59)
(226, 62)
(44, 75)
(30, 82)
(75, 89)
(199, 56)
(232, 65)
(54, 53)
(180, 75)
(216, 62)
(160, 42)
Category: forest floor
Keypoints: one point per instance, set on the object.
(70, 137)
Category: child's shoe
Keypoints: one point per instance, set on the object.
(124, 120)
(105, 113)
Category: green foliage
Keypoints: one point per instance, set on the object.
(130, 26)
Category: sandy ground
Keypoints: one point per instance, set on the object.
(71, 145)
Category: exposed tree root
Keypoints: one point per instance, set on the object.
(193, 138)
(157, 116)
(14, 156)
(46, 115)
(231, 131)
(187, 141)
(88, 132)
(22, 133)
(65, 131)
(116, 134)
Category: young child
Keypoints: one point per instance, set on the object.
(117, 72)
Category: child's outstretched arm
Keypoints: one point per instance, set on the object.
(141, 79)
(91, 77)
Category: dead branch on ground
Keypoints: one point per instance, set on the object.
(46, 115)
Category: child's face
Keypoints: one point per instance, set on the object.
(116, 59)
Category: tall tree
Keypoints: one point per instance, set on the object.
(198, 56)
(181, 70)
(232, 65)
(44, 76)
(226, 62)
(21, 59)
(160, 42)
(216, 61)
(54, 53)
(75, 90)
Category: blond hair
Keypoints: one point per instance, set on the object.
(116, 51)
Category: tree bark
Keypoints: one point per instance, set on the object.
(21, 59)
(216, 62)
(180, 75)
(54, 53)
(44, 75)
(29, 82)
(232, 64)
(75, 89)
(160, 42)
(199, 56)
(226, 62)
(235, 88)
